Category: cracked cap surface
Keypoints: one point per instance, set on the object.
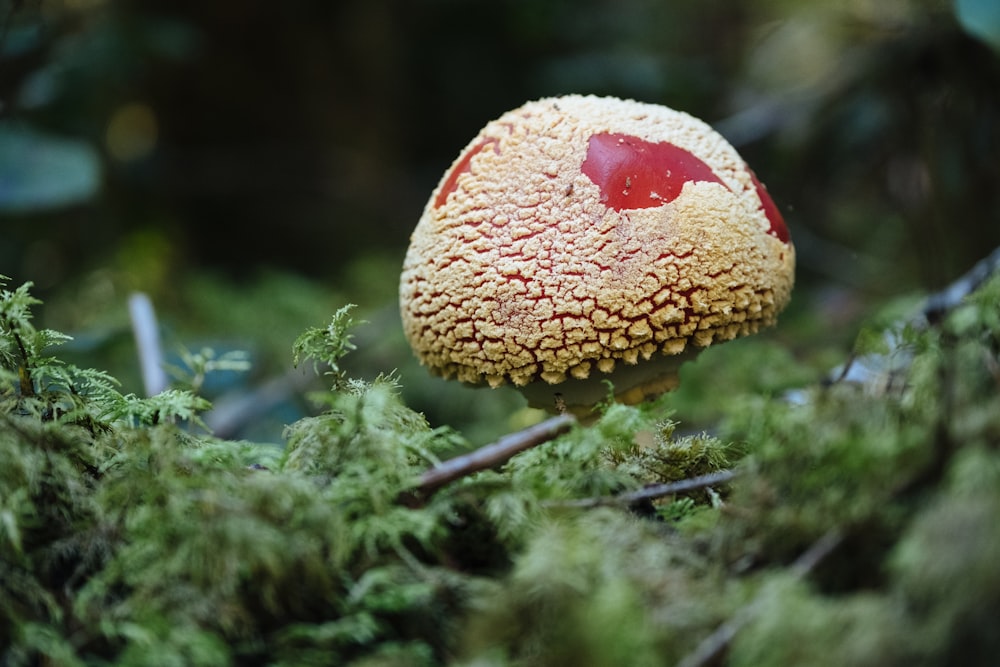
(574, 234)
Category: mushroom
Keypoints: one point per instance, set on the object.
(579, 239)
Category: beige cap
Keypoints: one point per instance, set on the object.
(578, 239)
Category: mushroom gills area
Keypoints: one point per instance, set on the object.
(630, 383)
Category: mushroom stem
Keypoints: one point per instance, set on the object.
(487, 456)
(630, 384)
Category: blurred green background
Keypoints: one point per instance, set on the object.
(252, 166)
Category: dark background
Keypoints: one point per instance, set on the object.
(253, 165)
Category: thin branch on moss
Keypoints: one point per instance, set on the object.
(940, 303)
(488, 456)
(711, 647)
(147, 343)
(229, 414)
(653, 491)
(870, 368)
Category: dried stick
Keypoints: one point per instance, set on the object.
(230, 413)
(490, 455)
(653, 491)
(938, 304)
(147, 342)
(712, 646)
(878, 370)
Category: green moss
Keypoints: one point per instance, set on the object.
(130, 535)
(944, 568)
(598, 589)
(794, 626)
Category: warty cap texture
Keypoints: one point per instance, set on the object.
(578, 233)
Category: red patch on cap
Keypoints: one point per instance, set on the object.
(635, 173)
(778, 227)
(463, 166)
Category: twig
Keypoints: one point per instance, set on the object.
(488, 456)
(939, 303)
(878, 370)
(147, 342)
(230, 413)
(653, 491)
(712, 646)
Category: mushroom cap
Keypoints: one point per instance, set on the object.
(579, 234)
